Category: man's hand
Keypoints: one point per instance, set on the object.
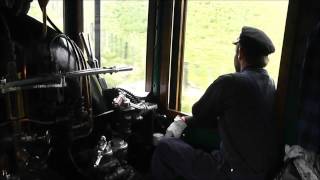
(176, 127)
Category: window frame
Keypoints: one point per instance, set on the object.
(172, 15)
(165, 54)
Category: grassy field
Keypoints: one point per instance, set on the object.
(211, 28)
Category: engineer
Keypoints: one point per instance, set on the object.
(240, 106)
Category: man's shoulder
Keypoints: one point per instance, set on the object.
(226, 76)
(224, 79)
(232, 78)
(241, 76)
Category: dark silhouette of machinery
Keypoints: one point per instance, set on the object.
(59, 119)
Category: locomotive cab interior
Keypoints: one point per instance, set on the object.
(64, 113)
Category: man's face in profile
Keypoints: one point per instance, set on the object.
(236, 59)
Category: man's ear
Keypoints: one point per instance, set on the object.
(241, 54)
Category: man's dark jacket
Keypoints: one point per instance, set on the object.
(241, 107)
